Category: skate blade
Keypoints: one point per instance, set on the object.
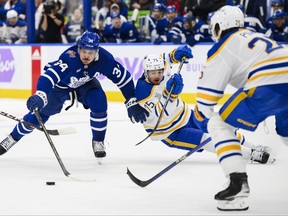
(237, 204)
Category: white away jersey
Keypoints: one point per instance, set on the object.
(151, 97)
(243, 59)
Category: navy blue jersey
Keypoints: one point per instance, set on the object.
(68, 72)
(127, 33)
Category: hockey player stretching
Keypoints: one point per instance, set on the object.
(74, 73)
(258, 67)
(177, 128)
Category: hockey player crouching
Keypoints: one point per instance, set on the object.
(177, 128)
(75, 72)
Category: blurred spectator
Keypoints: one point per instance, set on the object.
(16, 5)
(169, 26)
(275, 5)
(102, 13)
(114, 8)
(141, 4)
(206, 6)
(99, 28)
(123, 7)
(251, 22)
(279, 27)
(16, 30)
(120, 32)
(186, 6)
(38, 12)
(196, 30)
(2, 32)
(74, 28)
(152, 20)
(49, 30)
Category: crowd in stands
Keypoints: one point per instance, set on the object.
(134, 21)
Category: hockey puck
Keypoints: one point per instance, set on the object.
(50, 183)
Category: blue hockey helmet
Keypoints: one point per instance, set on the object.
(158, 6)
(277, 3)
(188, 17)
(278, 14)
(89, 40)
(171, 9)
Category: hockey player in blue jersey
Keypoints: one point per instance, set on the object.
(74, 73)
(177, 128)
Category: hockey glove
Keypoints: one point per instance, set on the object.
(176, 80)
(136, 113)
(39, 100)
(181, 52)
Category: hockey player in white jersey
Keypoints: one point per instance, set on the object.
(257, 66)
(177, 128)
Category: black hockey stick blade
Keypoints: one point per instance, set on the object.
(164, 107)
(54, 132)
(149, 181)
(63, 168)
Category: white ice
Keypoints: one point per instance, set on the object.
(187, 189)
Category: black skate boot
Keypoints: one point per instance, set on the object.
(99, 150)
(261, 155)
(234, 197)
(6, 144)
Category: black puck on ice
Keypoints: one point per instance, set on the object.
(50, 183)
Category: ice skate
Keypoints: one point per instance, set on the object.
(234, 197)
(99, 150)
(261, 154)
(6, 144)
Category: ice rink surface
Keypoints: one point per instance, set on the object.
(187, 189)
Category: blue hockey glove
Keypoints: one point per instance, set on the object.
(38, 100)
(136, 113)
(181, 52)
(176, 80)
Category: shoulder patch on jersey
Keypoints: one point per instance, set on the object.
(71, 53)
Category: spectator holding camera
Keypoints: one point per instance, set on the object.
(51, 22)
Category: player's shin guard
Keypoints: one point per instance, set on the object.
(234, 197)
(6, 144)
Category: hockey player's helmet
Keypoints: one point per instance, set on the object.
(277, 3)
(88, 40)
(152, 62)
(226, 17)
(171, 9)
(278, 14)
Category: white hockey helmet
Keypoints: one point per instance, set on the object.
(152, 62)
(226, 17)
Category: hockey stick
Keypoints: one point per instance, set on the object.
(66, 173)
(149, 181)
(164, 107)
(53, 132)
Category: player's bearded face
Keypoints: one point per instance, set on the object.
(155, 76)
(87, 56)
